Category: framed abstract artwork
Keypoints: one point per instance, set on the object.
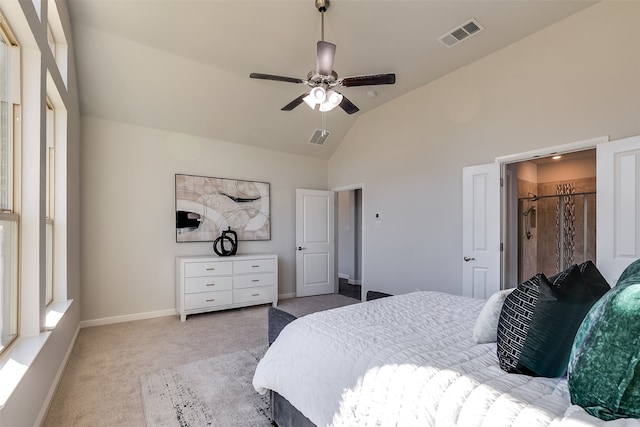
(205, 207)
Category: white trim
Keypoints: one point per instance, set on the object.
(363, 214)
(556, 149)
(349, 187)
(127, 318)
(343, 276)
(286, 296)
(354, 282)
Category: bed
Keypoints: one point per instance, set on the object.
(406, 360)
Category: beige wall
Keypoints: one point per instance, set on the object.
(573, 81)
(570, 169)
(128, 211)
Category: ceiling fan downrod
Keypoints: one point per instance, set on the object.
(322, 6)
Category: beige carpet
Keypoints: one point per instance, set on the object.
(101, 383)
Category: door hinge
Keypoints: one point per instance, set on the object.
(501, 247)
(501, 182)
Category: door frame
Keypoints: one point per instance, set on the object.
(571, 147)
(351, 187)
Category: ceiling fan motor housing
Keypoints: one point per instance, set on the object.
(314, 78)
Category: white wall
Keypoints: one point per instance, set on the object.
(128, 211)
(573, 81)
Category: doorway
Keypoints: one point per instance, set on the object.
(349, 233)
(550, 213)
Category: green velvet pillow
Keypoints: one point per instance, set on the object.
(604, 366)
(632, 270)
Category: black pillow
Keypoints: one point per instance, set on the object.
(537, 327)
(514, 321)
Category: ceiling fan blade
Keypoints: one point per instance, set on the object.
(348, 106)
(324, 60)
(276, 78)
(293, 104)
(370, 80)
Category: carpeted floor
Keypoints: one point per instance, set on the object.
(349, 290)
(217, 391)
(101, 383)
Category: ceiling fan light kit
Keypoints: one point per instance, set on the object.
(324, 81)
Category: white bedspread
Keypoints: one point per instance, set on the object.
(408, 360)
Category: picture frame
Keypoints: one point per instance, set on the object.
(207, 206)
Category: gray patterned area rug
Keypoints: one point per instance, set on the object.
(211, 392)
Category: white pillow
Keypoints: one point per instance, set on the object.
(486, 327)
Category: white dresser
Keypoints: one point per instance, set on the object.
(209, 283)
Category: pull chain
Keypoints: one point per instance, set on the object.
(324, 125)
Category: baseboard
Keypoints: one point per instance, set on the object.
(286, 296)
(349, 280)
(127, 318)
(56, 380)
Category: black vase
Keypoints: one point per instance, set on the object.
(227, 238)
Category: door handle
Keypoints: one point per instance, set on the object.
(467, 259)
(301, 248)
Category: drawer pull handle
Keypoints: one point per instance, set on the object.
(211, 268)
(211, 300)
(211, 284)
(255, 280)
(255, 295)
(255, 266)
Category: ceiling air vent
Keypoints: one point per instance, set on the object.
(460, 33)
(319, 137)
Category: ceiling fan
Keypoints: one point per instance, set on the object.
(324, 81)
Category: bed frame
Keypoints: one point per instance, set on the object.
(283, 413)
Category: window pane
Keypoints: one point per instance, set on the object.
(8, 279)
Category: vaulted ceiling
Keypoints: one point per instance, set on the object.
(184, 65)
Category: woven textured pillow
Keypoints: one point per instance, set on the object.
(604, 367)
(514, 321)
(540, 318)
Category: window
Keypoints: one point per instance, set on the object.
(8, 219)
(6, 146)
(50, 191)
(57, 40)
(51, 40)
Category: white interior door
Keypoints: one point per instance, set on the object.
(618, 207)
(315, 242)
(481, 230)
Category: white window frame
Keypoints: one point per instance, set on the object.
(9, 285)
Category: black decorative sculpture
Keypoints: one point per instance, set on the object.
(231, 238)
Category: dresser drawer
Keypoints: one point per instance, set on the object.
(207, 284)
(253, 280)
(241, 296)
(254, 266)
(207, 299)
(196, 269)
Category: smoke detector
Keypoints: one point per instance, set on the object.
(460, 33)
